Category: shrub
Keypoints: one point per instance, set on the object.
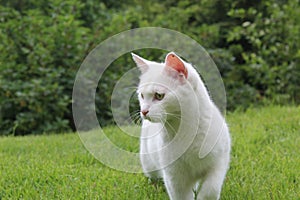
(40, 57)
(254, 43)
(265, 45)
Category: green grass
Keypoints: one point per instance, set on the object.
(265, 163)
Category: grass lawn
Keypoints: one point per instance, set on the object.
(265, 163)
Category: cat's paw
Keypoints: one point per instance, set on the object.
(155, 182)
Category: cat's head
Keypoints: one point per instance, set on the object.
(163, 87)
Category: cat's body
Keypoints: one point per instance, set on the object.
(184, 138)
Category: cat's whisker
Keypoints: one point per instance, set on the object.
(177, 116)
(135, 117)
(173, 114)
(172, 133)
(170, 126)
(131, 87)
(138, 121)
(135, 111)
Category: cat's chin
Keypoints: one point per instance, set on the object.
(152, 119)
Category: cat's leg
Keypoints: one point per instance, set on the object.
(212, 184)
(150, 165)
(179, 187)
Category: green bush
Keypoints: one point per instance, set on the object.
(265, 44)
(254, 43)
(41, 55)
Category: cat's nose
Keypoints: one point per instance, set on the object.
(145, 112)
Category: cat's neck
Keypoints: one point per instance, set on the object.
(196, 109)
(172, 124)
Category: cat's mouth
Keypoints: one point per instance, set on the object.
(153, 119)
(147, 118)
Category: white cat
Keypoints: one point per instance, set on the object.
(184, 138)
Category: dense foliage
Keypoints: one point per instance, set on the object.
(254, 43)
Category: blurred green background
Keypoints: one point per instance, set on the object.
(255, 44)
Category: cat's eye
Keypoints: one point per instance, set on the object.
(142, 95)
(159, 96)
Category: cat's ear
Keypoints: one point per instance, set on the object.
(173, 62)
(141, 63)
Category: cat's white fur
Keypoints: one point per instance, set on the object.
(184, 137)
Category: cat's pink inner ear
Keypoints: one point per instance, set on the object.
(174, 62)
